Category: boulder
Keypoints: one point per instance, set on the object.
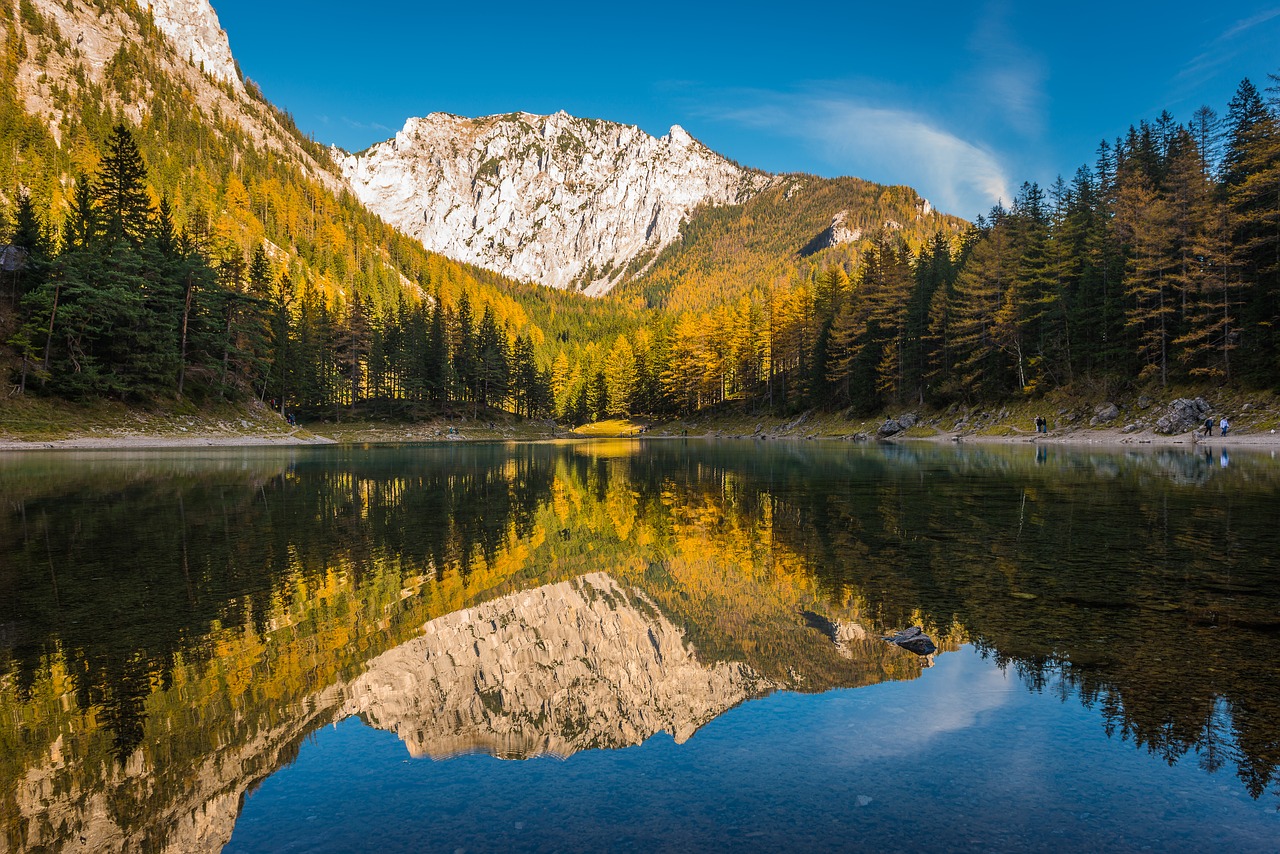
(1105, 413)
(908, 420)
(889, 428)
(914, 640)
(1183, 414)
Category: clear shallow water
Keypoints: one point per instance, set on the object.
(350, 636)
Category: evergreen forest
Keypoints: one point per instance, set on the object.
(168, 254)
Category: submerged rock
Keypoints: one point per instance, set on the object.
(914, 640)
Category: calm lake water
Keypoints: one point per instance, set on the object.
(639, 646)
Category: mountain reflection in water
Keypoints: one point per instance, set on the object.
(172, 626)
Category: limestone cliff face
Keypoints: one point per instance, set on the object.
(554, 199)
(193, 27)
(80, 41)
(570, 666)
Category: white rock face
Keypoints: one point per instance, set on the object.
(553, 199)
(566, 667)
(193, 27)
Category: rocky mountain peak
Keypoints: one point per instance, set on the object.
(193, 27)
(556, 199)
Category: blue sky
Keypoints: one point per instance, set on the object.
(961, 101)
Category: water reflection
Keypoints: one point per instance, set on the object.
(172, 625)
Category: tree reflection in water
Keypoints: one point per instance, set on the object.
(158, 610)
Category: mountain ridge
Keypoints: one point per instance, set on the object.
(557, 199)
(591, 204)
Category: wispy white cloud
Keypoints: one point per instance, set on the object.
(355, 125)
(1223, 48)
(1249, 23)
(1008, 80)
(884, 144)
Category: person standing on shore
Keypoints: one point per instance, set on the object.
(1224, 425)
(1208, 427)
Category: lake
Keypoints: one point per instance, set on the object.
(615, 645)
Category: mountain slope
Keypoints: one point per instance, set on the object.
(236, 169)
(563, 201)
(801, 224)
(588, 205)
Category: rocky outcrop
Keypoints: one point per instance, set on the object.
(836, 234)
(558, 200)
(891, 427)
(1183, 414)
(587, 663)
(193, 27)
(1104, 413)
(194, 814)
(562, 668)
(194, 56)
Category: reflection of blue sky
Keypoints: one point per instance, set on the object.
(902, 719)
(963, 753)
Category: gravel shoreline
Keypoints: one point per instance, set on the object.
(1083, 436)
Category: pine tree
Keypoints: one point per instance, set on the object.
(982, 315)
(525, 378)
(282, 369)
(1144, 221)
(466, 354)
(1251, 174)
(120, 189)
(436, 356)
(493, 380)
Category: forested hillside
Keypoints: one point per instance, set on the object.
(170, 235)
(237, 266)
(1158, 265)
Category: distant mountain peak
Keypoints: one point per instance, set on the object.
(555, 199)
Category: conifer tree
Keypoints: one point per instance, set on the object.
(620, 377)
(1251, 174)
(436, 355)
(466, 352)
(120, 189)
(524, 377)
(494, 363)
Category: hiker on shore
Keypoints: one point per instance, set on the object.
(1208, 427)
(1224, 425)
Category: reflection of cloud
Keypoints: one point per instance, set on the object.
(886, 144)
(948, 698)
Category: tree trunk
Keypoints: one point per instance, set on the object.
(182, 355)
